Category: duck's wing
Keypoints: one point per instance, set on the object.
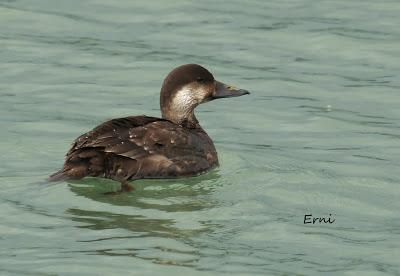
(111, 148)
(117, 136)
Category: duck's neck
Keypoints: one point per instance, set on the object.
(191, 123)
(179, 107)
(179, 116)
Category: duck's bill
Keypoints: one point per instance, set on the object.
(223, 90)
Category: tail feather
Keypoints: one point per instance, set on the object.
(80, 164)
(61, 175)
(70, 172)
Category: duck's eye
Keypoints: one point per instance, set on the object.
(200, 79)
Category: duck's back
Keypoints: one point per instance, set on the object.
(139, 147)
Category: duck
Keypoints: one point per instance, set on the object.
(142, 147)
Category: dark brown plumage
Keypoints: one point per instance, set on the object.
(147, 147)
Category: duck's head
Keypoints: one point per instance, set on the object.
(186, 87)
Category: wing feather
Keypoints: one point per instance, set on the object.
(121, 136)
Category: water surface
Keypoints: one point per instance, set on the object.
(320, 135)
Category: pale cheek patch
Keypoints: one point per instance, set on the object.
(202, 92)
(190, 96)
(184, 99)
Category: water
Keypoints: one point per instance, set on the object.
(320, 135)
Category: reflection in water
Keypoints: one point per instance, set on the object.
(143, 228)
(170, 195)
(140, 225)
(151, 228)
(147, 241)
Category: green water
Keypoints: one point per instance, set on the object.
(320, 135)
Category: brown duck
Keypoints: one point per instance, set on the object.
(139, 147)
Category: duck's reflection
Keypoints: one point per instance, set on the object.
(154, 233)
(178, 195)
(172, 195)
(141, 226)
